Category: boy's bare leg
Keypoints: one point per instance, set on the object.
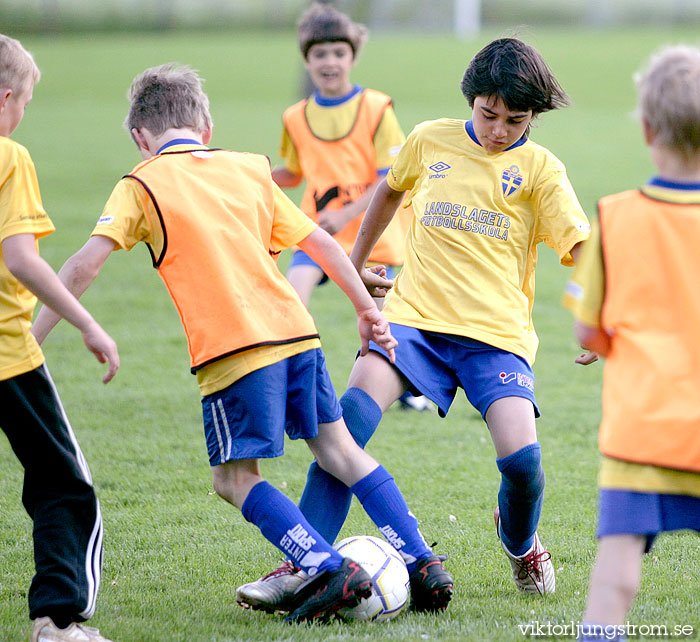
(234, 479)
(378, 378)
(614, 579)
(304, 279)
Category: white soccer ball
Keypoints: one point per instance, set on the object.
(389, 578)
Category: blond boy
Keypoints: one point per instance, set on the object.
(214, 221)
(62, 503)
(636, 301)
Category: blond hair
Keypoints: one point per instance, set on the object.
(18, 71)
(669, 98)
(165, 97)
(323, 23)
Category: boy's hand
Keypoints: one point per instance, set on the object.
(372, 325)
(375, 280)
(103, 347)
(587, 358)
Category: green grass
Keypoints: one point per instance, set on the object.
(174, 552)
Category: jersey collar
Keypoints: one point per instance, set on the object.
(180, 141)
(335, 101)
(469, 126)
(657, 181)
(661, 189)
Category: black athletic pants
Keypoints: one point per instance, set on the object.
(58, 496)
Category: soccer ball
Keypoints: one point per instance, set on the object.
(389, 578)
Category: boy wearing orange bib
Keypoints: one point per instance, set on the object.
(341, 140)
(636, 301)
(214, 221)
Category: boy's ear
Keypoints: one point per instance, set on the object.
(5, 93)
(649, 133)
(139, 138)
(206, 136)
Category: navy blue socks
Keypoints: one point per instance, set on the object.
(520, 497)
(282, 523)
(384, 503)
(326, 500)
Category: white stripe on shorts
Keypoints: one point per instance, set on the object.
(218, 433)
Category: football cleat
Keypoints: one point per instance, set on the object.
(323, 595)
(274, 592)
(431, 585)
(533, 571)
(46, 631)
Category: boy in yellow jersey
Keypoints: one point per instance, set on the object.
(58, 493)
(635, 297)
(342, 140)
(213, 221)
(484, 196)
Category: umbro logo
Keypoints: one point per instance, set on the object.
(438, 169)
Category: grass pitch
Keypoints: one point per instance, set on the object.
(174, 552)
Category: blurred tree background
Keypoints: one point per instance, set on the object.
(461, 16)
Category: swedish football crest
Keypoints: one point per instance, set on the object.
(511, 179)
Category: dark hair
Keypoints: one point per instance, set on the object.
(323, 23)
(509, 69)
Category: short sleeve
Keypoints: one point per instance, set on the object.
(290, 225)
(405, 170)
(561, 221)
(388, 140)
(585, 292)
(288, 152)
(127, 217)
(21, 209)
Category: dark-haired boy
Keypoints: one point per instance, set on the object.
(484, 196)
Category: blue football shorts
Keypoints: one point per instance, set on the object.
(248, 419)
(624, 512)
(436, 364)
(302, 258)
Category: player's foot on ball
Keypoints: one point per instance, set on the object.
(46, 631)
(323, 595)
(431, 585)
(533, 571)
(274, 592)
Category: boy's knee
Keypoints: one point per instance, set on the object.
(523, 467)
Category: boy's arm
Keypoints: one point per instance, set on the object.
(323, 249)
(77, 273)
(593, 354)
(22, 260)
(592, 338)
(285, 178)
(335, 220)
(380, 211)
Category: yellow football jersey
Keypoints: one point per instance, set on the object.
(472, 246)
(21, 212)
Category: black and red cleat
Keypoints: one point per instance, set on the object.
(431, 585)
(324, 594)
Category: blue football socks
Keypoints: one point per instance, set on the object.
(282, 523)
(520, 497)
(325, 501)
(384, 503)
